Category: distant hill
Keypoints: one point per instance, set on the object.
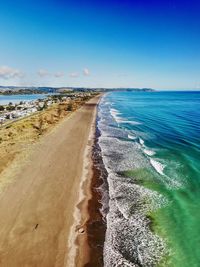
(9, 90)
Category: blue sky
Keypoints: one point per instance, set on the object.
(100, 43)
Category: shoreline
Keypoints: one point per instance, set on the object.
(96, 223)
(36, 209)
(86, 244)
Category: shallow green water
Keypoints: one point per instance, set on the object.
(177, 222)
(169, 127)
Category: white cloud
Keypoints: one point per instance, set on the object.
(43, 73)
(59, 74)
(74, 74)
(10, 73)
(86, 72)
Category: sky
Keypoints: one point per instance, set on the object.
(138, 43)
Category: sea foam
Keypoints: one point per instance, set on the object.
(129, 240)
(132, 137)
(149, 152)
(141, 141)
(115, 114)
(159, 167)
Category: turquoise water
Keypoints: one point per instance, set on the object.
(164, 127)
(5, 99)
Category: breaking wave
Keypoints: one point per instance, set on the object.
(128, 235)
(157, 166)
(149, 152)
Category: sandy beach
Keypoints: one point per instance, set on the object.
(38, 213)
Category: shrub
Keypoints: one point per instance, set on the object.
(69, 107)
(59, 111)
(10, 108)
(39, 126)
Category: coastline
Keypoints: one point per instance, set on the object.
(96, 223)
(36, 214)
(88, 230)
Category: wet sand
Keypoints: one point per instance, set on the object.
(37, 208)
(96, 224)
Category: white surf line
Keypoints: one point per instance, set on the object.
(71, 256)
(130, 136)
(159, 167)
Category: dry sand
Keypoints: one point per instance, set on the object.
(37, 209)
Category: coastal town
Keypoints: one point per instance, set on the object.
(15, 111)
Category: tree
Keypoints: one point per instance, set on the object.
(2, 108)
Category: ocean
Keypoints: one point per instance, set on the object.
(15, 99)
(150, 146)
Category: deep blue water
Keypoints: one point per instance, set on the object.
(151, 148)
